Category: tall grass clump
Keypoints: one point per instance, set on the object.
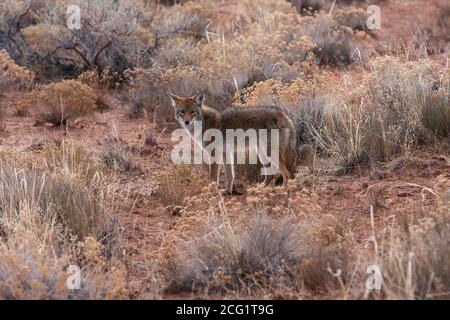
(120, 158)
(399, 107)
(178, 182)
(58, 103)
(333, 45)
(263, 257)
(55, 213)
(415, 253)
(403, 98)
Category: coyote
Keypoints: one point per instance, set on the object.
(192, 108)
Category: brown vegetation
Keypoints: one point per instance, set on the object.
(58, 103)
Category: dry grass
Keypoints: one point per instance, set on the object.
(103, 83)
(308, 7)
(267, 43)
(399, 107)
(70, 158)
(120, 158)
(294, 250)
(282, 252)
(55, 213)
(58, 103)
(333, 45)
(435, 36)
(262, 257)
(178, 182)
(436, 114)
(414, 254)
(13, 76)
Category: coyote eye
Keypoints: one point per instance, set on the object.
(181, 112)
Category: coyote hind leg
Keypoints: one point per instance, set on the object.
(268, 179)
(284, 170)
(266, 161)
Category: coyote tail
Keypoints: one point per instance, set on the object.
(291, 156)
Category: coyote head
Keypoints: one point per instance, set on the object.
(187, 109)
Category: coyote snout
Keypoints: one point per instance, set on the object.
(187, 110)
(191, 109)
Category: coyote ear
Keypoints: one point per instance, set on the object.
(173, 98)
(199, 98)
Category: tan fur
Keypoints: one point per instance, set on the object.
(188, 109)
